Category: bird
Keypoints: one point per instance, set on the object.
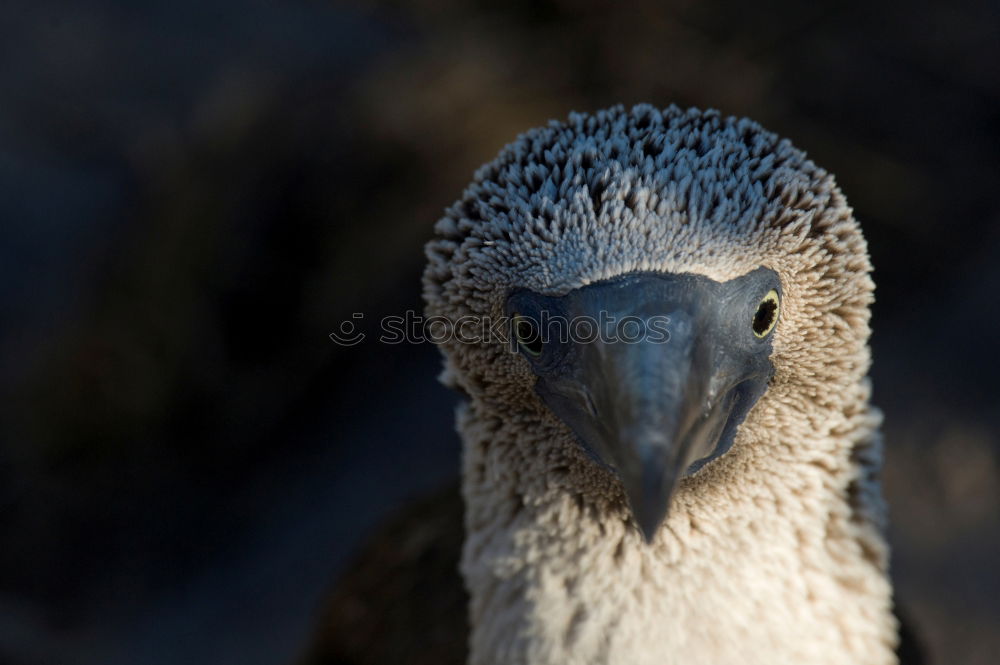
(669, 451)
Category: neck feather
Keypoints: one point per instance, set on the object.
(774, 551)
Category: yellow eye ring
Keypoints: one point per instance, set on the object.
(528, 337)
(766, 316)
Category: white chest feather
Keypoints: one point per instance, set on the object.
(781, 571)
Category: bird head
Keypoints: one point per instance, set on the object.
(663, 276)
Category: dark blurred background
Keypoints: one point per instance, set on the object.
(194, 194)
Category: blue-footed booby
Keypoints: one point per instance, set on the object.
(705, 491)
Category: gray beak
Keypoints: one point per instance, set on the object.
(658, 408)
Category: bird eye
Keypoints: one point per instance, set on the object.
(766, 315)
(527, 335)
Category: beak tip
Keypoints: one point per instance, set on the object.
(650, 496)
(649, 525)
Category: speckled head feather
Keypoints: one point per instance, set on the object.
(771, 553)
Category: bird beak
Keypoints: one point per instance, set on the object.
(658, 402)
(660, 405)
(650, 411)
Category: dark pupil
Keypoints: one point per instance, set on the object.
(764, 317)
(528, 337)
